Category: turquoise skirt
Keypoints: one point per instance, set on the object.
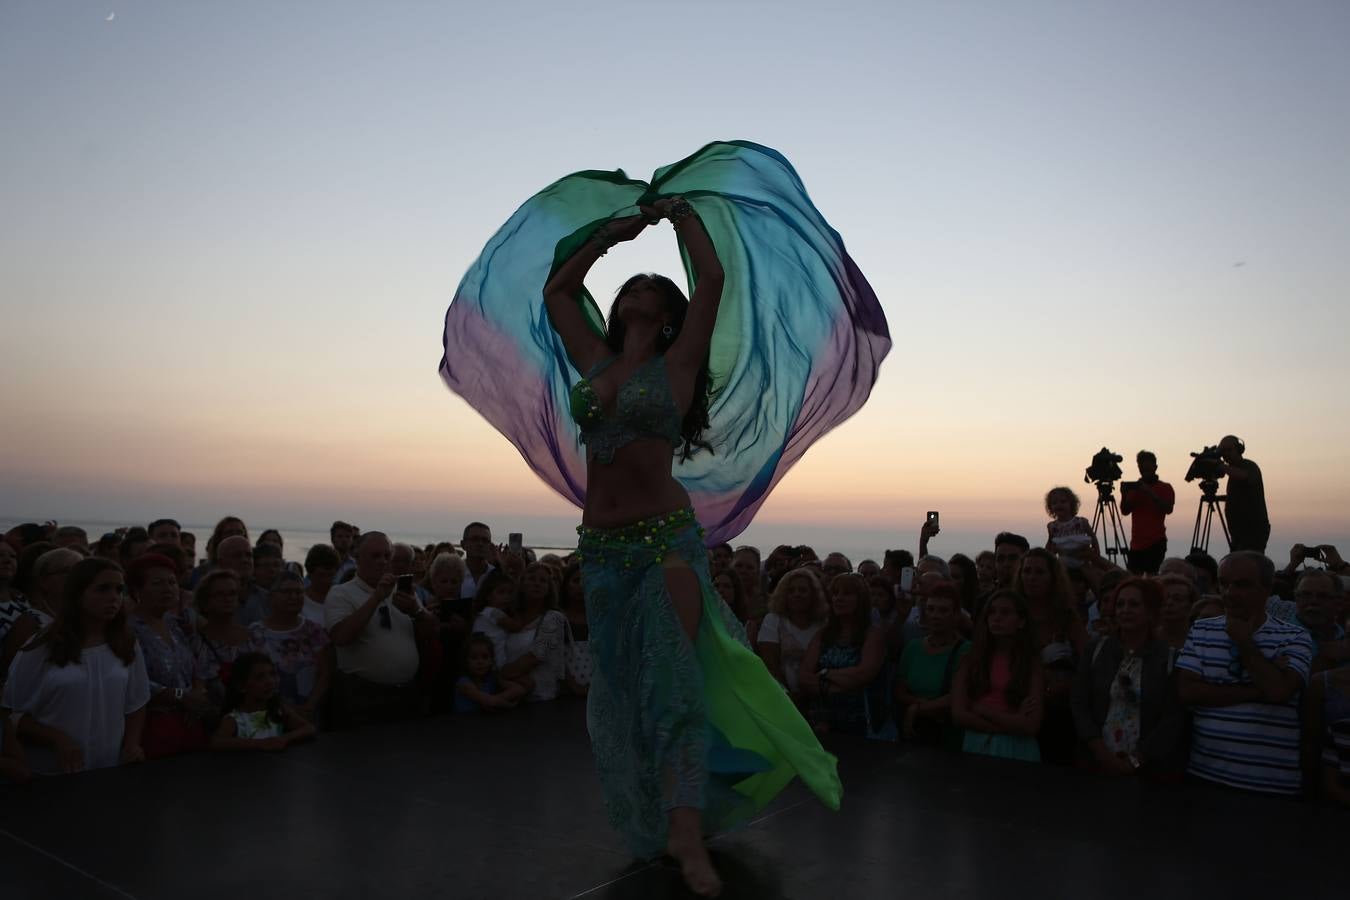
(678, 723)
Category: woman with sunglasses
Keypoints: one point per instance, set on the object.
(1125, 705)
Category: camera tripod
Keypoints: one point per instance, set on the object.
(1204, 517)
(1106, 519)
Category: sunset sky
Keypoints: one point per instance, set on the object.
(229, 232)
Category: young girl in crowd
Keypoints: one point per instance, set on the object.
(254, 717)
(76, 695)
(998, 686)
(1069, 534)
(494, 620)
(1058, 634)
(480, 689)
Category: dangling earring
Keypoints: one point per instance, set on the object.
(667, 332)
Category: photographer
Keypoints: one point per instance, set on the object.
(1248, 521)
(375, 624)
(1148, 502)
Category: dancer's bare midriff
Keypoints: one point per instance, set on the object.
(636, 485)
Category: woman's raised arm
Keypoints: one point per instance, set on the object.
(691, 347)
(584, 347)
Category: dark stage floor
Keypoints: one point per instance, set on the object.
(509, 807)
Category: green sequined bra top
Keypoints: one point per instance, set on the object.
(644, 408)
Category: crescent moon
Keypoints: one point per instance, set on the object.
(111, 16)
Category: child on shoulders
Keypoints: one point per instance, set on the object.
(1069, 535)
(494, 619)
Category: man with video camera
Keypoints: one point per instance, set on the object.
(1148, 502)
(1248, 521)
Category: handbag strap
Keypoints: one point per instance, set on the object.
(214, 652)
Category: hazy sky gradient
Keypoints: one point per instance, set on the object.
(229, 231)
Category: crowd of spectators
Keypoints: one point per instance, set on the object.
(1234, 671)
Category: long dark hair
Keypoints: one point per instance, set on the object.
(217, 535)
(66, 635)
(240, 672)
(695, 421)
(970, 580)
(1061, 608)
(862, 612)
(1024, 656)
(572, 570)
(738, 605)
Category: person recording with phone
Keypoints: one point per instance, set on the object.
(1326, 554)
(1318, 605)
(929, 530)
(1148, 502)
(1248, 520)
(375, 622)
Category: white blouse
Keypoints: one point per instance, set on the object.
(547, 638)
(88, 700)
(792, 641)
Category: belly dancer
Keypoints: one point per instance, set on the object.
(670, 659)
(690, 732)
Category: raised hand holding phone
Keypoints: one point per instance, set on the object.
(405, 600)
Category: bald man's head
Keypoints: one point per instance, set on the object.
(403, 559)
(372, 556)
(236, 555)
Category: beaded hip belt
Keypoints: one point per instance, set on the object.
(657, 534)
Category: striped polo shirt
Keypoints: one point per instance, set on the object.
(1248, 745)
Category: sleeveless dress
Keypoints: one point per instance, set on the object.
(255, 725)
(675, 723)
(844, 711)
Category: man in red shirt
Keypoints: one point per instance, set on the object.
(1147, 502)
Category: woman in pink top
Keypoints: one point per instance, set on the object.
(996, 696)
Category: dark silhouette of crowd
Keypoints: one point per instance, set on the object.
(1233, 671)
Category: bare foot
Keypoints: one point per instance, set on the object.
(686, 847)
